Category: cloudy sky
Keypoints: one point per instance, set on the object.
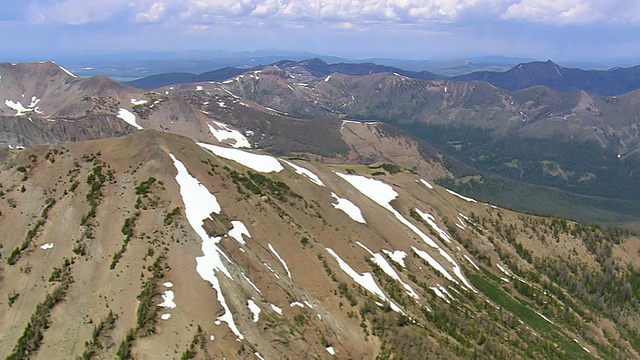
(578, 30)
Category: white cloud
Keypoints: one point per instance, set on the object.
(154, 14)
(564, 12)
(553, 11)
(356, 12)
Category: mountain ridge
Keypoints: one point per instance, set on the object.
(612, 82)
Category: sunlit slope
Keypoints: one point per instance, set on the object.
(153, 245)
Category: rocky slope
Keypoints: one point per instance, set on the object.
(153, 245)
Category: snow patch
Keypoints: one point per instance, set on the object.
(426, 183)
(471, 261)
(276, 309)
(251, 283)
(199, 203)
(431, 221)
(128, 117)
(365, 280)
(165, 316)
(46, 246)
(18, 107)
(461, 196)
(238, 230)
(397, 256)
(226, 133)
(168, 284)
(167, 300)
(388, 269)
(67, 71)
(382, 194)
(258, 162)
(255, 310)
(297, 303)
(305, 172)
(138, 102)
(434, 263)
(348, 208)
(330, 350)
(284, 264)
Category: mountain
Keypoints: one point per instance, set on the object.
(227, 229)
(43, 103)
(156, 245)
(577, 142)
(616, 81)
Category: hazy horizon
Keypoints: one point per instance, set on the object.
(564, 31)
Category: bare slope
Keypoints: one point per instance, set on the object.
(133, 247)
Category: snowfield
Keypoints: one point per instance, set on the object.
(258, 162)
(199, 203)
(382, 194)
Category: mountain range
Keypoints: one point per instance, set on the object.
(612, 82)
(261, 217)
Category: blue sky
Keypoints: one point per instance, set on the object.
(576, 30)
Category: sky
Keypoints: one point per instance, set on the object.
(576, 30)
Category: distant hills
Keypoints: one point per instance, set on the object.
(611, 82)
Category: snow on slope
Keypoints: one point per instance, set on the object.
(255, 310)
(426, 183)
(20, 109)
(199, 203)
(258, 162)
(167, 300)
(238, 230)
(397, 256)
(348, 208)
(431, 221)
(305, 172)
(129, 118)
(388, 269)
(226, 133)
(284, 264)
(460, 196)
(382, 194)
(138, 102)
(365, 280)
